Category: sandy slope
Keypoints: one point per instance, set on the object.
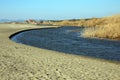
(21, 62)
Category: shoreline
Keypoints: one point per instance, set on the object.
(66, 40)
(20, 61)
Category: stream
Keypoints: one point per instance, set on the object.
(69, 40)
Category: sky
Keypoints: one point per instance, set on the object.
(57, 9)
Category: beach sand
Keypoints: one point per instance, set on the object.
(22, 62)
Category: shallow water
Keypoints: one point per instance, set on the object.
(68, 40)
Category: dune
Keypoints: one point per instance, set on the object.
(23, 62)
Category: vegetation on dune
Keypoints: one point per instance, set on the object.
(107, 27)
(110, 31)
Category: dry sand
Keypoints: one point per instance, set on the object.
(22, 62)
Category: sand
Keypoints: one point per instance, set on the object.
(22, 62)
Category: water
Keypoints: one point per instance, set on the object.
(68, 40)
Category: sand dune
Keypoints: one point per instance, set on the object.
(22, 62)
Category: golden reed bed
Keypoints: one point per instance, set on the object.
(106, 27)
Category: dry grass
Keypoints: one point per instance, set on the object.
(107, 27)
(110, 31)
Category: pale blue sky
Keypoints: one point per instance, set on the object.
(57, 9)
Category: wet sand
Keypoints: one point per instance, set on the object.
(22, 62)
